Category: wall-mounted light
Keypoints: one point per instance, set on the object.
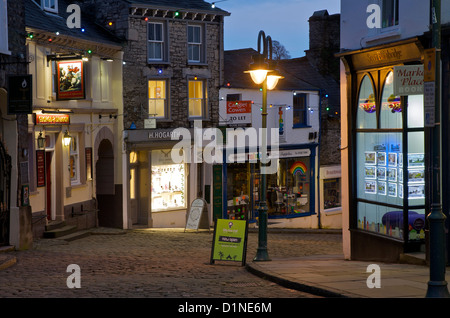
(67, 139)
(41, 141)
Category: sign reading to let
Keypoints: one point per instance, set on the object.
(230, 241)
(239, 113)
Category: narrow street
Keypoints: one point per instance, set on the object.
(152, 263)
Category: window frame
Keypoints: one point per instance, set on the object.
(153, 41)
(395, 14)
(4, 44)
(297, 112)
(166, 97)
(203, 98)
(200, 44)
(76, 180)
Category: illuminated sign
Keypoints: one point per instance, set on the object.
(52, 119)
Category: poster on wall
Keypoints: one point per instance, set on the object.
(40, 168)
(70, 79)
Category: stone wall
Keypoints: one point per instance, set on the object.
(177, 70)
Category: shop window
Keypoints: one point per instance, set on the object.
(300, 113)
(74, 160)
(389, 13)
(156, 42)
(197, 98)
(288, 191)
(366, 112)
(391, 105)
(390, 175)
(238, 190)
(157, 98)
(332, 193)
(168, 182)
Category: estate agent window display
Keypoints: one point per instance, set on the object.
(389, 159)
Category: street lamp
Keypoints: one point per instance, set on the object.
(41, 141)
(260, 68)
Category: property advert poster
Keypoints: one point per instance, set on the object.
(70, 80)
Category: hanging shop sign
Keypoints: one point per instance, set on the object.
(19, 94)
(70, 80)
(52, 119)
(230, 241)
(239, 113)
(408, 80)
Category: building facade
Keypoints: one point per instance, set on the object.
(74, 131)
(15, 216)
(385, 134)
(173, 69)
(297, 195)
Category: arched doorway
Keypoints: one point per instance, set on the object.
(104, 177)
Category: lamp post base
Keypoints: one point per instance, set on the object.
(261, 255)
(437, 290)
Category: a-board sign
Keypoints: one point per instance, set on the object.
(196, 217)
(230, 241)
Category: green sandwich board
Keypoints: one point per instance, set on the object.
(230, 241)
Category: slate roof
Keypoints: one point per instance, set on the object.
(182, 4)
(299, 74)
(39, 19)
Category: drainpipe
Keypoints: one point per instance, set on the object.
(318, 160)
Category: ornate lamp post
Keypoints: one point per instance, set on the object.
(259, 71)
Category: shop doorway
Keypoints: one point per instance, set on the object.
(104, 176)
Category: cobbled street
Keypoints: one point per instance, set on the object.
(153, 263)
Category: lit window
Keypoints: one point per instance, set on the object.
(197, 98)
(157, 99)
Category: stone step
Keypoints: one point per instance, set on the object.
(6, 249)
(53, 225)
(62, 231)
(75, 236)
(7, 261)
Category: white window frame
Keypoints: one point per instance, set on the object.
(203, 98)
(396, 4)
(195, 44)
(76, 154)
(4, 49)
(165, 98)
(161, 42)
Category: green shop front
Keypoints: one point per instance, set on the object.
(387, 162)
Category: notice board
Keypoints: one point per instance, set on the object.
(196, 217)
(230, 241)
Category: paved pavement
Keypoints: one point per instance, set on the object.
(171, 263)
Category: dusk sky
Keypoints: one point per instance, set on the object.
(284, 20)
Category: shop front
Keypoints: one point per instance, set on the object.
(386, 150)
(290, 192)
(160, 189)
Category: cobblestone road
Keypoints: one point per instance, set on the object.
(152, 263)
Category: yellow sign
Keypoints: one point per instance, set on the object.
(429, 64)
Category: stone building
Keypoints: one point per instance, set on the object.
(173, 68)
(15, 217)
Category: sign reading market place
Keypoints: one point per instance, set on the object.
(230, 241)
(408, 80)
